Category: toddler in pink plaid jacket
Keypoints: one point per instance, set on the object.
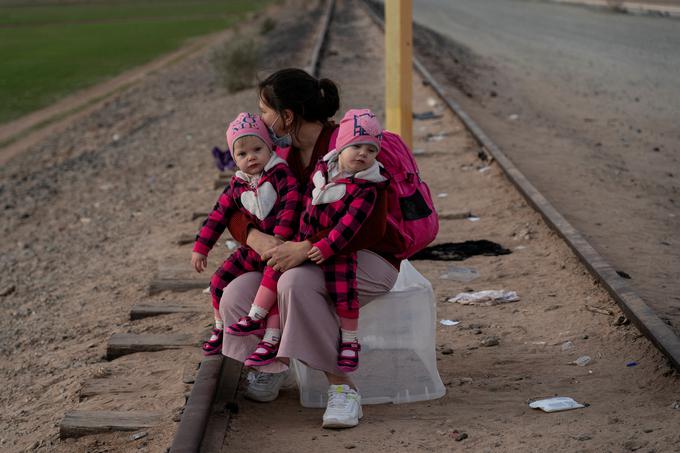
(345, 188)
(264, 189)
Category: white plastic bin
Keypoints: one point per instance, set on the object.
(397, 363)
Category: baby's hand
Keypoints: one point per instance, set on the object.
(315, 255)
(199, 261)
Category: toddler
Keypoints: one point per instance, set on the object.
(345, 181)
(266, 191)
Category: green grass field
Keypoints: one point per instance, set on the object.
(48, 50)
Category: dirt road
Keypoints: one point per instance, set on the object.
(585, 103)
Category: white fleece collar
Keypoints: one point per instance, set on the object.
(254, 179)
(371, 174)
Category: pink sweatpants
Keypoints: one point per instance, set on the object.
(309, 323)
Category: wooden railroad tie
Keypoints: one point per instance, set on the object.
(159, 285)
(81, 423)
(185, 238)
(99, 386)
(199, 215)
(454, 215)
(121, 344)
(140, 311)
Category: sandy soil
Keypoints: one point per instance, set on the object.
(488, 387)
(581, 101)
(90, 217)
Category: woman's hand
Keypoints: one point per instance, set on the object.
(287, 255)
(261, 242)
(199, 261)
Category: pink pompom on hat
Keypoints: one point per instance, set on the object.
(247, 124)
(359, 126)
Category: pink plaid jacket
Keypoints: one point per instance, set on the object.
(342, 204)
(272, 203)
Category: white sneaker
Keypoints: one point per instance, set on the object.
(265, 386)
(344, 407)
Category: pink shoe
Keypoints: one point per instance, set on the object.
(349, 362)
(247, 326)
(264, 354)
(214, 345)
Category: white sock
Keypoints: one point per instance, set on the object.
(349, 336)
(272, 336)
(218, 325)
(257, 313)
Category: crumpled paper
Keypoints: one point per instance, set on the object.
(485, 298)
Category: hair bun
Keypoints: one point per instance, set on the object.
(330, 97)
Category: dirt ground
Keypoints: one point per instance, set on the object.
(488, 387)
(580, 101)
(90, 216)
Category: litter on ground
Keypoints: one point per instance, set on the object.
(460, 274)
(582, 361)
(458, 251)
(485, 298)
(567, 346)
(556, 404)
(429, 115)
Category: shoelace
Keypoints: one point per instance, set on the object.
(336, 400)
(264, 378)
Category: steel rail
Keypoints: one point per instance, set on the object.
(646, 320)
(313, 66)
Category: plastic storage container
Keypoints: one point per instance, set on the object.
(397, 363)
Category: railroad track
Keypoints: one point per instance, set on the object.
(209, 406)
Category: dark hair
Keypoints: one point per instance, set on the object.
(308, 98)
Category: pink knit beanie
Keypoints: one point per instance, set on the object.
(247, 124)
(359, 126)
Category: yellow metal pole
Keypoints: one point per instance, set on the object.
(398, 68)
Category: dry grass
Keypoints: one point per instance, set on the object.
(237, 64)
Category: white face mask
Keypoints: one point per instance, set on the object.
(280, 142)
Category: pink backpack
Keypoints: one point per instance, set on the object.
(410, 209)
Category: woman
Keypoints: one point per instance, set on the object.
(297, 107)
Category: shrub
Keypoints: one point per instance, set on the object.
(237, 64)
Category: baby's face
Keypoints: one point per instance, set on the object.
(251, 154)
(356, 158)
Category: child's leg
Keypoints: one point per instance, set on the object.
(237, 264)
(341, 283)
(218, 318)
(265, 299)
(349, 328)
(266, 350)
(214, 343)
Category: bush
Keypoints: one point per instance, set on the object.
(267, 25)
(237, 64)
